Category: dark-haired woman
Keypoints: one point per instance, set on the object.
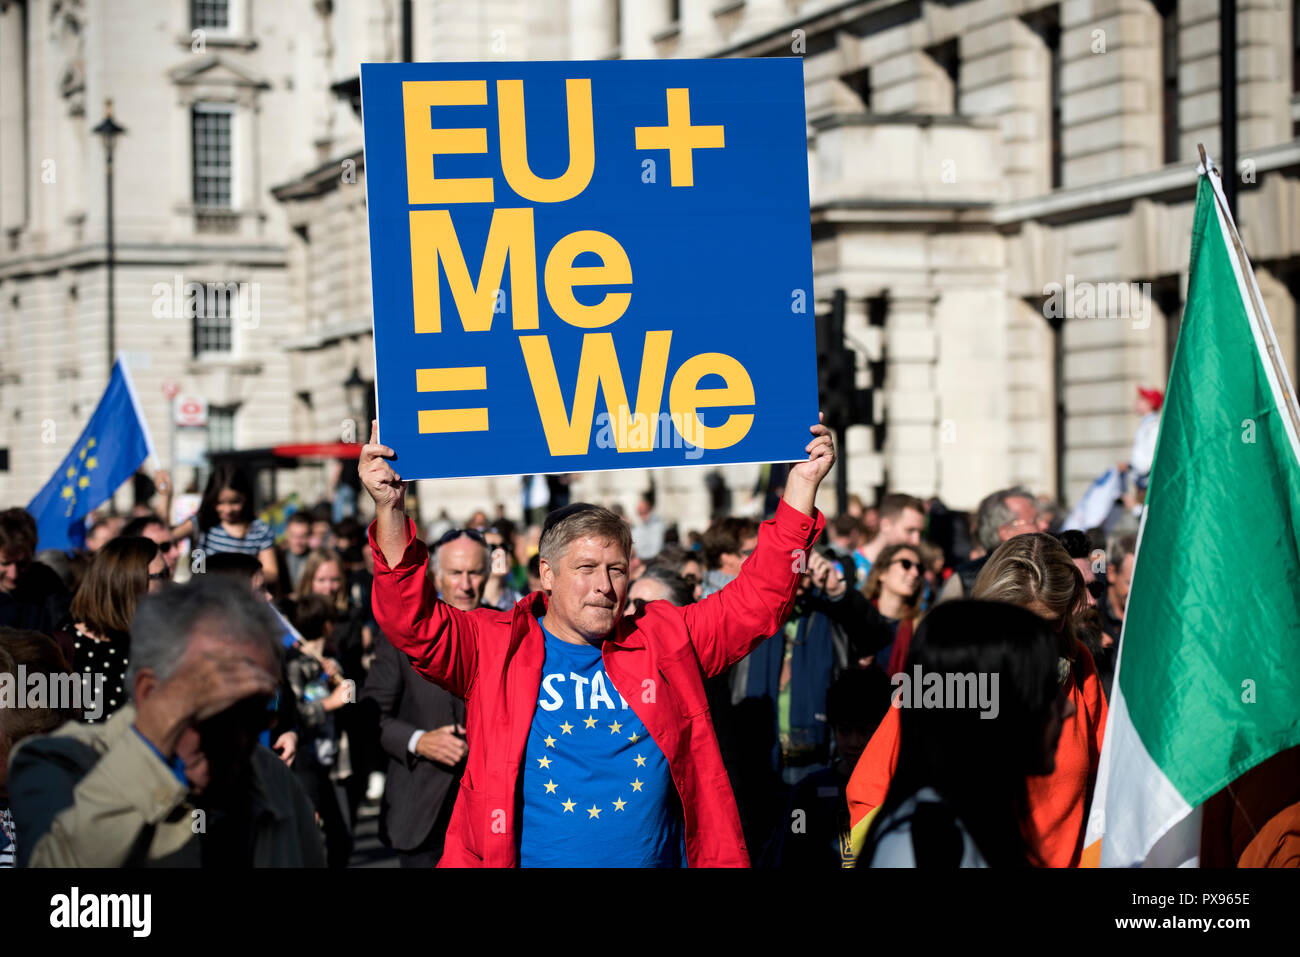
(122, 572)
(958, 797)
(225, 522)
(1033, 572)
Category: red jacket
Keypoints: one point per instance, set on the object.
(657, 661)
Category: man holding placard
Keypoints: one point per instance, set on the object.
(590, 739)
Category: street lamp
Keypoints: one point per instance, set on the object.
(108, 132)
(354, 388)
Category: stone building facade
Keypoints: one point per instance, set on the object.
(972, 165)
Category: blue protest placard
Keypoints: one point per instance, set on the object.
(580, 266)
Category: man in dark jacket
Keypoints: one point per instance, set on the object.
(421, 726)
(176, 778)
(424, 766)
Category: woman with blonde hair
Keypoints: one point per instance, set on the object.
(894, 586)
(1035, 572)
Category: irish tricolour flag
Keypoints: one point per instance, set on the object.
(1208, 680)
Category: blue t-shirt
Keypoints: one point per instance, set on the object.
(597, 790)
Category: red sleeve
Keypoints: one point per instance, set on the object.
(869, 782)
(440, 641)
(727, 625)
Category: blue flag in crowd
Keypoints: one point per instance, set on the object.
(112, 446)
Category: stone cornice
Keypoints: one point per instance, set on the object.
(321, 179)
(142, 254)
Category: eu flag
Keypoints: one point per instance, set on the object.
(109, 450)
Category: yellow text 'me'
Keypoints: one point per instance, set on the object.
(434, 244)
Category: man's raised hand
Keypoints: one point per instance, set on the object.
(383, 484)
(805, 477)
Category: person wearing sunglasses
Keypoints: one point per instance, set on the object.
(176, 777)
(894, 586)
(1089, 622)
(155, 529)
(591, 742)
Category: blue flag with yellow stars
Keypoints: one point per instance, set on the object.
(597, 790)
(112, 446)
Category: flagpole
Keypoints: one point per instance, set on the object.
(1260, 314)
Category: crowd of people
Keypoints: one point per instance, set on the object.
(719, 696)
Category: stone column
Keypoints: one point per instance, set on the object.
(13, 101)
(910, 407)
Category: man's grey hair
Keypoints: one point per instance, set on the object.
(994, 512)
(166, 622)
(680, 592)
(580, 521)
(1120, 547)
(487, 554)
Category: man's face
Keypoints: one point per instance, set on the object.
(1121, 579)
(159, 574)
(643, 509)
(462, 573)
(904, 529)
(850, 743)
(12, 564)
(1085, 568)
(646, 590)
(1026, 519)
(587, 586)
(99, 537)
(215, 749)
(729, 563)
(320, 535)
(693, 572)
(161, 535)
(297, 537)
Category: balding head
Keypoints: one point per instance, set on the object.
(461, 571)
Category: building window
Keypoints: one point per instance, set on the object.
(1165, 297)
(1047, 24)
(212, 309)
(859, 83)
(210, 14)
(947, 58)
(1168, 10)
(213, 169)
(221, 427)
(4, 460)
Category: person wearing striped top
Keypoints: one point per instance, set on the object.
(225, 522)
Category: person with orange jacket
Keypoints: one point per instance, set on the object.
(1035, 572)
